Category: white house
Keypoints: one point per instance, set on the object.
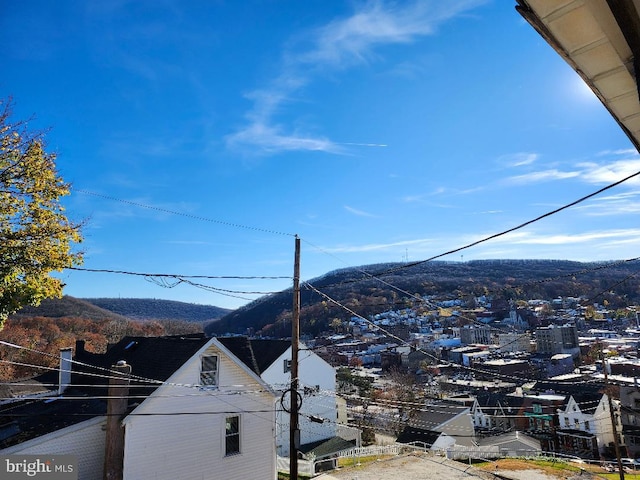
(193, 410)
(585, 424)
(317, 381)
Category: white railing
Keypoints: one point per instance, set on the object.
(371, 451)
(312, 466)
(305, 467)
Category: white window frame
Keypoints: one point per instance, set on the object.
(209, 376)
(231, 435)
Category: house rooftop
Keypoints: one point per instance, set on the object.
(153, 361)
(257, 354)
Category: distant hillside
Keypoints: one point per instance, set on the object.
(67, 307)
(153, 309)
(366, 290)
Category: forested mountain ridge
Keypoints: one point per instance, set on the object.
(120, 308)
(155, 309)
(376, 288)
(67, 306)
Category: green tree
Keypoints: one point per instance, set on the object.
(36, 238)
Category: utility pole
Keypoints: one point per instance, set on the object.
(294, 429)
(116, 409)
(614, 423)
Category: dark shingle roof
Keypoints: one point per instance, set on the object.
(325, 447)
(413, 434)
(587, 402)
(492, 401)
(257, 354)
(437, 413)
(154, 358)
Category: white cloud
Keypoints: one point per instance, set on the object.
(622, 151)
(518, 159)
(337, 45)
(376, 246)
(270, 139)
(343, 42)
(360, 213)
(610, 172)
(587, 172)
(620, 204)
(541, 176)
(532, 238)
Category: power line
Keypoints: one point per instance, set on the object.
(522, 225)
(163, 280)
(176, 275)
(182, 214)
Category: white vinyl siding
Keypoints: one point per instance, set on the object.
(86, 441)
(318, 381)
(187, 437)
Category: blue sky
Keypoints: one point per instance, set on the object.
(376, 131)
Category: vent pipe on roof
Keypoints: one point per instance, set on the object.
(64, 373)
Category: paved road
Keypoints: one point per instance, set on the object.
(415, 466)
(420, 466)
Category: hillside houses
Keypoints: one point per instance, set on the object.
(495, 358)
(448, 381)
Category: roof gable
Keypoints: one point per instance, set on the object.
(151, 358)
(257, 354)
(436, 415)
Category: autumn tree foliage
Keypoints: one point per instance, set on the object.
(36, 237)
(32, 344)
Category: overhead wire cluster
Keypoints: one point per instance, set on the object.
(234, 390)
(171, 280)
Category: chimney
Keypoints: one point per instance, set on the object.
(64, 373)
(79, 346)
(116, 408)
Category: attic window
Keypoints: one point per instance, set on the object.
(287, 365)
(209, 371)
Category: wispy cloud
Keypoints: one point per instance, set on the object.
(337, 45)
(621, 204)
(624, 151)
(188, 242)
(371, 247)
(518, 159)
(440, 192)
(541, 176)
(360, 213)
(596, 173)
(610, 172)
(579, 238)
(534, 238)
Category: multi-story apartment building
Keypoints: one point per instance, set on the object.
(475, 334)
(557, 339)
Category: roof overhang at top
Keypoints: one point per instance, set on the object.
(600, 39)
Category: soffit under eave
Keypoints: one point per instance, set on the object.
(587, 35)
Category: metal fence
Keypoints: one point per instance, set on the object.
(312, 466)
